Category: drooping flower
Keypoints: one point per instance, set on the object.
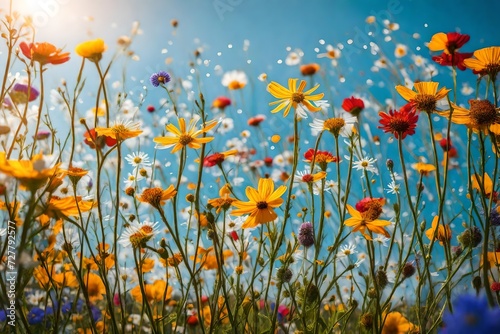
(156, 197)
(485, 61)
(120, 131)
(216, 159)
(224, 201)
(91, 50)
(457, 59)
(234, 80)
(396, 323)
(363, 221)
(481, 115)
(442, 232)
(43, 53)
(449, 43)
(261, 203)
(425, 96)
(159, 78)
(343, 125)
(182, 136)
(32, 174)
(91, 138)
(471, 314)
(398, 122)
(293, 97)
(353, 105)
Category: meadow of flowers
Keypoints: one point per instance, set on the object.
(308, 212)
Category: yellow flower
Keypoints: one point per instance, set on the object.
(293, 97)
(156, 197)
(423, 168)
(481, 116)
(32, 174)
(74, 173)
(362, 222)
(396, 323)
(154, 292)
(182, 136)
(224, 201)
(425, 97)
(95, 287)
(120, 130)
(67, 206)
(443, 233)
(486, 61)
(208, 258)
(483, 184)
(261, 203)
(91, 50)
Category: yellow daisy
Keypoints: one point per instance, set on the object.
(425, 95)
(362, 222)
(441, 232)
(182, 136)
(32, 174)
(481, 116)
(485, 60)
(293, 96)
(120, 130)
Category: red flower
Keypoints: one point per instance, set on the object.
(151, 108)
(268, 161)
(255, 121)
(92, 139)
(399, 123)
(213, 160)
(353, 105)
(44, 53)
(495, 286)
(456, 41)
(455, 59)
(365, 204)
(321, 158)
(221, 102)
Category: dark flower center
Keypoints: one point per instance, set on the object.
(185, 139)
(425, 102)
(482, 112)
(297, 97)
(399, 125)
(262, 205)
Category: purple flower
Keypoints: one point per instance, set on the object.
(19, 93)
(306, 234)
(161, 77)
(495, 216)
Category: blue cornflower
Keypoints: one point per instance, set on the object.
(471, 315)
(161, 77)
(36, 316)
(3, 316)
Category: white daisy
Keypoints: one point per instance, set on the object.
(138, 159)
(68, 236)
(234, 79)
(138, 233)
(365, 164)
(393, 187)
(294, 57)
(345, 122)
(346, 250)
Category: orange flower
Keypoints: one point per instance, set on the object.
(261, 203)
(208, 259)
(182, 136)
(154, 292)
(95, 287)
(441, 232)
(44, 53)
(309, 69)
(361, 222)
(483, 184)
(156, 197)
(67, 206)
(423, 168)
(425, 96)
(396, 323)
(120, 131)
(224, 201)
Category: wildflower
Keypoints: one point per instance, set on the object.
(343, 125)
(441, 232)
(224, 201)
(256, 120)
(217, 158)
(42, 134)
(395, 322)
(495, 286)
(284, 275)
(471, 314)
(294, 57)
(182, 136)
(32, 174)
(457, 59)
(366, 164)
(91, 50)
(221, 102)
(60, 207)
(234, 80)
(481, 116)
(425, 97)
(361, 222)
(353, 105)
(423, 169)
(154, 293)
(92, 139)
(400, 51)
(120, 131)
(156, 197)
(393, 187)
(321, 158)
(495, 215)
(485, 61)
(95, 287)
(408, 270)
(399, 123)
(138, 159)
(308, 178)
(261, 203)
(331, 53)
(371, 208)
(137, 234)
(484, 185)
(309, 69)
(293, 97)
(43, 53)
(22, 93)
(306, 234)
(366, 321)
(151, 108)
(471, 237)
(159, 78)
(449, 43)
(208, 259)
